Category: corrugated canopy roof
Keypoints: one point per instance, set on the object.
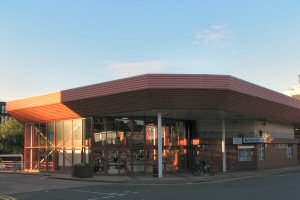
(159, 91)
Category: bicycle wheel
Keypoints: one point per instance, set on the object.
(211, 172)
(196, 171)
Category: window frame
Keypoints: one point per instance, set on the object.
(289, 151)
(245, 156)
(261, 152)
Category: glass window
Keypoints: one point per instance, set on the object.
(68, 157)
(123, 137)
(59, 133)
(60, 158)
(28, 130)
(77, 156)
(138, 132)
(111, 137)
(3, 109)
(175, 134)
(261, 152)
(289, 151)
(77, 131)
(43, 159)
(100, 133)
(68, 133)
(88, 128)
(35, 136)
(245, 154)
(151, 135)
(166, 136)
(98, 124)
(50, 158)
(182, 134)
(124, 130)
(51, 134)
(43, 135)
(100, 137)
(109, 124)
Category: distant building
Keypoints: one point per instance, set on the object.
(3, 113)
(294, 91)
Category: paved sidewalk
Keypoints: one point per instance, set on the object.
(182, 178)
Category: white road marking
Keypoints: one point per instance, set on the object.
(5, 197)
(91, 192)
(288, 175)
(119, 195)
(108, 197)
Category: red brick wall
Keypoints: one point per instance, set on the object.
(235, 165)
(277, 158)
(274, 157)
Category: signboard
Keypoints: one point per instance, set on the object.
(237, 140)
(254, 140)
(246, 146)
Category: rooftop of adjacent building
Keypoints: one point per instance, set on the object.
(294, 91)
(3, 108)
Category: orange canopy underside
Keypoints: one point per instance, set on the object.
(41, 108)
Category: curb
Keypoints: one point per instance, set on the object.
(26, 174)
(185, 180)
(84, 180)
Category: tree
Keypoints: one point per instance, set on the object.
(11, 137)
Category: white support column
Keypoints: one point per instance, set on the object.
(159, 145)
(31, 141)
(224, 145)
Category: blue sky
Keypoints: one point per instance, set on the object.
(47, 46)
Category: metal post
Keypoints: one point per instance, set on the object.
(31, 141)
(224, 145)
(159, 145)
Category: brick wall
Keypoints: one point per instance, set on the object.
(234, 128)
(274, 130)
(235, 165)
(244, 128)
(274, 157)
(277, 157)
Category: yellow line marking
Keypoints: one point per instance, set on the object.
(5, 197)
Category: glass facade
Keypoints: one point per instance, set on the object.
(57, 145)
(129, 145)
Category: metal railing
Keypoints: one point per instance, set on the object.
(11, 166)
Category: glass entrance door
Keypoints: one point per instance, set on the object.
(175, 157)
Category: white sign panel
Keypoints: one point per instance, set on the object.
(254, 140)
(237, 140)
(246, 147)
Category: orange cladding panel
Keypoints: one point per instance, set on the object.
(40, 108)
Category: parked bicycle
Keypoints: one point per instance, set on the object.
(202, 167)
